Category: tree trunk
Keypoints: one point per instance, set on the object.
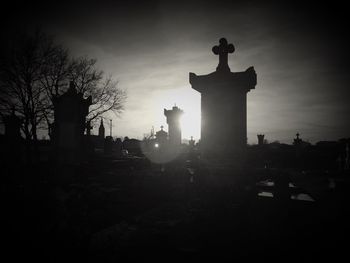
(35, 155)
(27, 141)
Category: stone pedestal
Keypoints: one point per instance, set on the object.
(224, 107)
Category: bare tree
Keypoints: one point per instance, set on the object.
(106, 96)
(21, 66)
(34, 70)
(88, 80)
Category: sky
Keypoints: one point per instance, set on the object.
(299, 52)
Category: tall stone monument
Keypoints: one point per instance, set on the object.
(101, 130)
(70, 111)
(173, 119)
(224, 106)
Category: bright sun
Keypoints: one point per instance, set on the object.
(186, 99)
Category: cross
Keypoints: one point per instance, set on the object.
(222, 50)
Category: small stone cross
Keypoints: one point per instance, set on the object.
(222, 50)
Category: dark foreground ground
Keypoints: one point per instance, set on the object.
(112, 211)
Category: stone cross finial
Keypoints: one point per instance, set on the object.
(222, 50)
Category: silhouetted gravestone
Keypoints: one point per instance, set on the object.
(70, 111)
(191, 143)
(224, 106)
(162, 138)
(12, 126)
(13, 139)
(297, 141)
(173, 120)
(261, 139)
(108, 145)
(118, 147)
(101, 130)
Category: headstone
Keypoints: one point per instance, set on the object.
(297, 141)
(191, 143)
(261, 139)
(108, 145)
(162, 138)
(224, 106)
(118, 147)
(173, 119)
(70, 111)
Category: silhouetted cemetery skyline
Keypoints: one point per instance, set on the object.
(223, 131)
(269, 175)
(155, 71)
(223, 109)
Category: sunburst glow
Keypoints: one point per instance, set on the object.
(186, 99)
